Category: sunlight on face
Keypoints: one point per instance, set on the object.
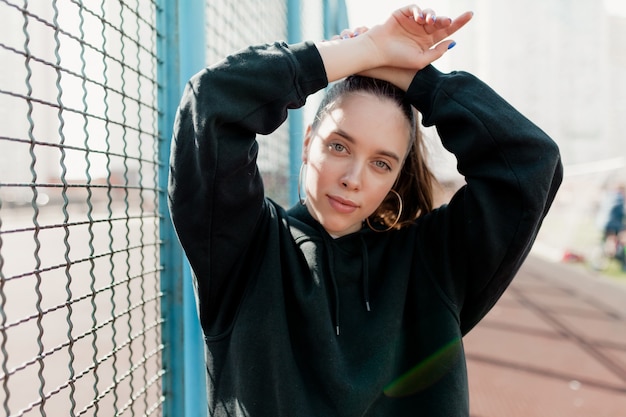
(353, 159)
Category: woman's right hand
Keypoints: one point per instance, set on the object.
(406, 42)
(413, 38)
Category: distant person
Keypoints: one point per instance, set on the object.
(611, 223)
(354, 301)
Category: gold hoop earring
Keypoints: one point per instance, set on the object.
(397, 217)
(300, 199)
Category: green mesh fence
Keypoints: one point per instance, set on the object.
(80, 322)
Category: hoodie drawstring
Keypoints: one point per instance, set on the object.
(331, 268)
(366, 273)
(333, 278)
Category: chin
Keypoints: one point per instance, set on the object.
(341, 230)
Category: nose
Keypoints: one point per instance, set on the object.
(352, 177)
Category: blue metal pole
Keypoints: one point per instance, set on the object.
(192, 59)
(296, 117)
(335, 17)
(171, 254)
(183, 381)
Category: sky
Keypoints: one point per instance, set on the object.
(372, 12)
(617, 7)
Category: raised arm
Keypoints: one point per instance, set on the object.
(512, 171)
(215, 190)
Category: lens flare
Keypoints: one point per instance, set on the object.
(425, 373)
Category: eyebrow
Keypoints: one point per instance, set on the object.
(350, 139)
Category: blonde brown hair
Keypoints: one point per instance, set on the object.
(415, 181)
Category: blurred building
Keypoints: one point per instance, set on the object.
(561, 63)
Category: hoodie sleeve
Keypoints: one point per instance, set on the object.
(512, 171)
(216, 195)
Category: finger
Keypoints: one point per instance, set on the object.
(442, 22)
(438, 24)
(449, 27)
(360, 30)
(351, 33)
(413, 12)
(430, 17)
(439, 50)
(345, 34)
(459, 22)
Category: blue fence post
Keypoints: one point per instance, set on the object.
(180, 52)
(296, 117)
(192, 58)
(335, 17)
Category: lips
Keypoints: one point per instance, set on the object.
(342, 205)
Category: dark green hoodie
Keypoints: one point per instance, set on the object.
(299, 324)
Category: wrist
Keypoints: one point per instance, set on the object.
(344, 57)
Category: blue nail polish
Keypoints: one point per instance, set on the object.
(451, 45)
(434, 18)
(345, 37)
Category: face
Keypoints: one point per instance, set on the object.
(352, 160)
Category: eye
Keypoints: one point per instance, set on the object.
(382, 165)
(337, 147)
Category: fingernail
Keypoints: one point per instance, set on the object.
(434, 18)
(356, 33)
(451, 45)
(345, 37)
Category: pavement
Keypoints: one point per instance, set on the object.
(554, 345)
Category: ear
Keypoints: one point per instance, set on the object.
(308, 137)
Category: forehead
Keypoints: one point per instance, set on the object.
(369, 118)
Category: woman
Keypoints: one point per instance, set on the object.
(355, 301)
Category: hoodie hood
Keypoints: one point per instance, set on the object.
(347, 260)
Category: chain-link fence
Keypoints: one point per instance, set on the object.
(234, 25)
(86, 275)
(80, 321)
